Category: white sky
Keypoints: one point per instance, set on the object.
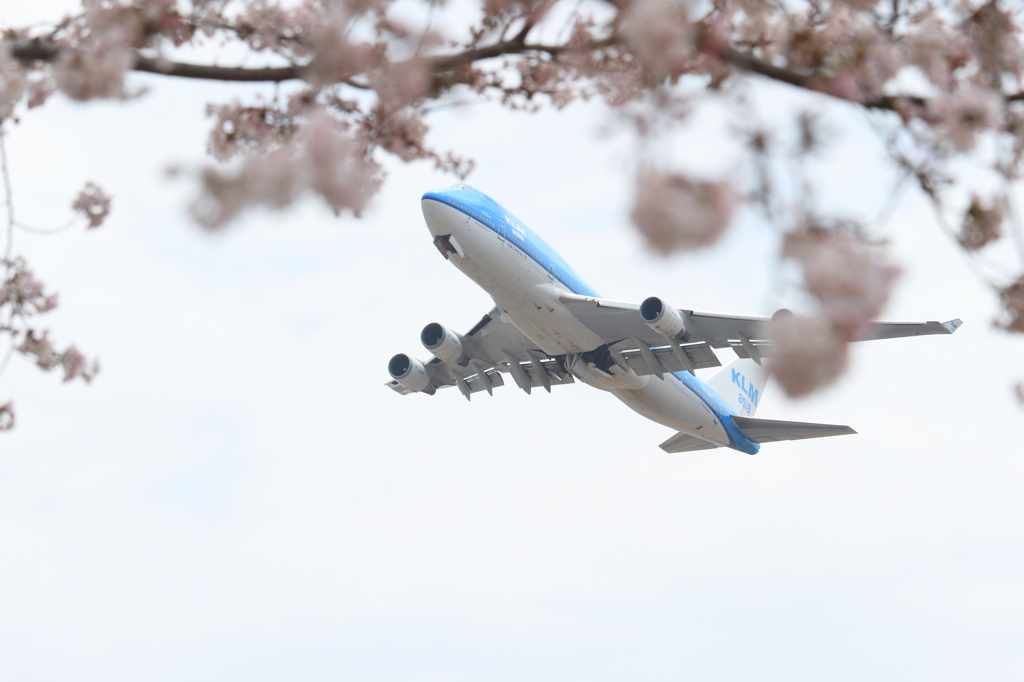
(238, 497)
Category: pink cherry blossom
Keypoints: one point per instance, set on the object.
(240, 129)
(39, 91)
(401, 133)
(337, 167)
(23, 292)
(1013, 305)
(659, 32)
(93, 203)
(76, 365)
(678, 214)
(269, 26)
(399, 85)
(808, 353)
(13, 82)
(336, 56)
(850, 280)
(997, 44)
(961, 115)
(39, 346)
(852, 58)
(97, 73)
(322, 157)
(982, 224)
(7, 416)
(936, 48)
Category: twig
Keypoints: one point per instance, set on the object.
(47, 232)
(7, 356)
(9, 199)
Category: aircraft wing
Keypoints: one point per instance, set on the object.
(620, 323)
(495, 346)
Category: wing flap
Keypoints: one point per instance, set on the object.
(722, 331)
(684, 442)
(492, 378)
(773, 430)
(700, 354)
(478, 383)
(764, 349)
(552, 369)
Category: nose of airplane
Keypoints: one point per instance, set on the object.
(439, 211)
(433, 214)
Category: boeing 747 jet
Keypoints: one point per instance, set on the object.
(549, 328)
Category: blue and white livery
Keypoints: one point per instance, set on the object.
(550, 328)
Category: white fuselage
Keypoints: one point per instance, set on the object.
(528, 294)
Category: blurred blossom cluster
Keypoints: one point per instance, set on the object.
(850, 281)
(92, 203)
(356, 80)
(7, 416)
(322, 158)
(1013, 301)
(674, 212)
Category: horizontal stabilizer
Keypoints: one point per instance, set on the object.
(772, 430)
(684, 442)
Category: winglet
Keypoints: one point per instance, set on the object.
(952, 325)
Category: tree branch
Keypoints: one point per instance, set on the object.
(748, 62)
(43, 50)
(218, 73)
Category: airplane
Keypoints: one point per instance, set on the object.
(549, 328)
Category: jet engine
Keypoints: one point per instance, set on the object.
(442, 343)
(662, 317)
(409, 372)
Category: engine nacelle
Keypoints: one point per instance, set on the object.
(409, 372)
(662, 317)
(442, 343)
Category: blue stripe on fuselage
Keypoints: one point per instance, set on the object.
(721, 410)
(497, 218)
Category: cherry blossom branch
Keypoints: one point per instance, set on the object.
(45, 50)
(41, 50)
(22, 296)
(748, 62)
(164, 67)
